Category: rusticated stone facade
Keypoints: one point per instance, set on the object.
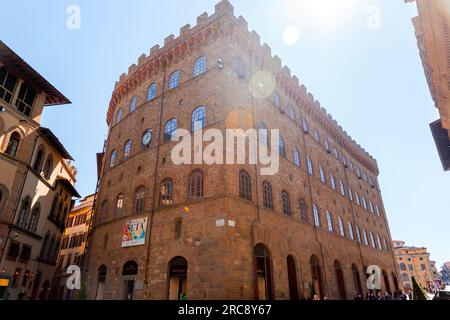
(228, 241)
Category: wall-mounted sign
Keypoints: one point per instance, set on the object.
(4, 282)
(134, 233)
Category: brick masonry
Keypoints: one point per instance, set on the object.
(220, 259)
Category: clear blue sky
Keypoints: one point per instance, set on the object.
(371, 80)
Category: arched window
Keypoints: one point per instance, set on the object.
(102, 272)
(402, 266)
(200, 66)
(48, 168)
(263, 273)
(340, 280)
(133, 103)
(358, 234)
(335, 152)
(303, 210)
(364, 202)
(316, 135)
(281, 147)
(371, 206)
(327, 145)
(305, 125)
(332, 182)
(276, 100)
(199, 118)
(127, 149)
(38, 161)
(372, 240)
(341, 227)
(54, 207)
(365, 237)
(341, 185)
(244, 185)
(151, 92)
(263, 134)
(358, 199)
(196, 185)
(174, 80)
(350, 193)
(119, 204)
(34, 218)
(169, 132)
(140, 199)
(119, 116)
(166, 193)
(286, 203)
(267, 195)
(296, 157)
(23, 213)
(310, 166)
(13, 144)
(350, 231)
(329, 222)
(322, 174)
(316, 216)
(380, 246)
(45, 244)
(112, 159)
(291, 113)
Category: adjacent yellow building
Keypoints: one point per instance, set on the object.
(414, 262)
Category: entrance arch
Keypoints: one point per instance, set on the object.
(340, 280)
(178, 268)
(263, 267)
(129, 273)
(316, 276)
(292, 277)
(102, 271)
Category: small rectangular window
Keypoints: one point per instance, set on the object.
(178, 228)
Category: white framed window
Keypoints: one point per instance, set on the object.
(296, 157)
(151, 92)
(310, 166)
(327, 145)
(358, 172)
(316, 135)
(364, 202)
(133, 103)
(350, 231)
(127, 149)
(341, 185)
(305, 125)
(112, 159)
(341, 227)
(344, 160)
(350, 193)
(291, 113)
(358, 235)
(372, 240)
(329, 222)
(358, 199)
(364, 176)
(380, 247)
(332, 182)
(365, 237)
(322, 175)
(174, 80)
(377, 210)
(119, 116)
(316, 216)
(335, 152)
(200, 66)
(276, 100)
(371, 206)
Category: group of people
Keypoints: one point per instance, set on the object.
(397, 295)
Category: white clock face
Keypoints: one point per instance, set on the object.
(147, 138)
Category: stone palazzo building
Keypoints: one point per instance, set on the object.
(37, 181)
(227, 231)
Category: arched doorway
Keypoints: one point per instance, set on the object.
(292, 278)
(102, 271)
(387, 285)
(316, 277)
(357, 280)
(263, 267)
(129, 273)
(340, 280)
(178, 268)
(395, 281)
(43, 295)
